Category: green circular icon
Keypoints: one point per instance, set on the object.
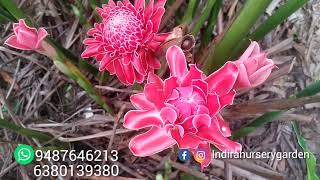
(24, 154)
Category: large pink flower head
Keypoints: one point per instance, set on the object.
(126, 41)
(183, 109)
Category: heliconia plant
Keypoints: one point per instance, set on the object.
(126, 40)
(184, 108)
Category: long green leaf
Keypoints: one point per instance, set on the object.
(4, 14)
(24, 131)
(190, 10)
(211, 23)
(311, 161)
(203, 17)
(239, 29)
(310, 90)
(251, 127)
(281, 14)
(68, 68)
(83, 64)
(277, 17)
(13, 9)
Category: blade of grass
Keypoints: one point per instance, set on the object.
(272, 22)
(24, 131)
(251, 127)
(310, 90)
(311, 161)
(5, 14)
(13, 9)
(235, 33)
(277, 17)
(212, 22)
(203, 17)
(187, 19)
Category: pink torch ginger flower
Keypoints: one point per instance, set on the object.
(27, 38)
(183, 109)
(126, 40)
(254, 67)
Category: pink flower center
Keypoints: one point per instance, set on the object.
(123, 30)
(186, 100)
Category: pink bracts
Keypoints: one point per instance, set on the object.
(183, 109)
(254, 67)
(26, 38)
(126, 40)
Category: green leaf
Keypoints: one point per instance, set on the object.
(13, 9)
(24, 131)
(5, 15)
(281, 14)
(203, 17)
(277, 17)
(239, 29)
(251, 127)
(75, 74)
(187, 19)
(311, 161)
(310, 90)
(211, 23)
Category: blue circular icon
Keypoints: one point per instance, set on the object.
(184, 155)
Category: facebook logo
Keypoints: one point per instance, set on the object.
(184, 155)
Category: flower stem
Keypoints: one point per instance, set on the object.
(68, 68)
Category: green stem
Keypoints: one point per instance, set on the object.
(237, 31)
(68, 68)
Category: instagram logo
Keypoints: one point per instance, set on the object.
(200, 156)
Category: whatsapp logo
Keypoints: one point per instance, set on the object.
(24, 154)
